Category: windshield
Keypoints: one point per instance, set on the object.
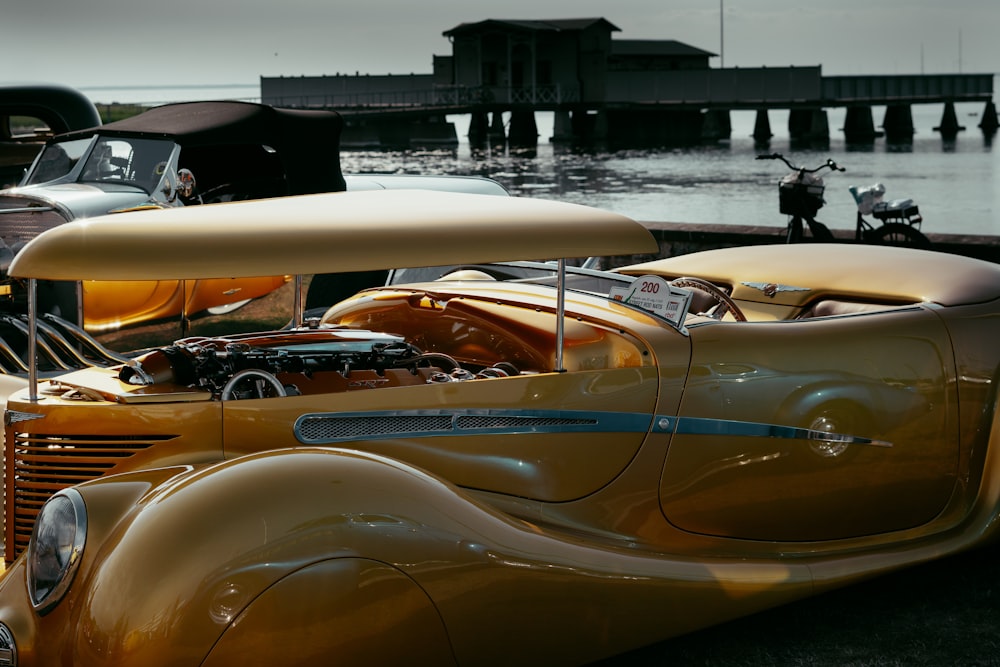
(140, 162)
(127, 160)
(577, 278)
(57, 160)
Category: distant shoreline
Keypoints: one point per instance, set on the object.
(193, 86)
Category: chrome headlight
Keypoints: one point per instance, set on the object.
(55, 548)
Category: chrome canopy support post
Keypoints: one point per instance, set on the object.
(560, 314)
(32, 340)
(185, 322)
(297, 303)
(79, 302)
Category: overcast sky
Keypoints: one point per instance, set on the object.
(177, 42)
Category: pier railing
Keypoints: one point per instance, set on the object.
(763, 87)
(908, 89)
(440, 97)
(731, 88)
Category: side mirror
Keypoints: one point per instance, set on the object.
(185, 186)
(185, 183)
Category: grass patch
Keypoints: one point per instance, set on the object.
(112, 112)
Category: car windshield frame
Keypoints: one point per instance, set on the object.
(137, 161)
(140, 162)
(58, 159)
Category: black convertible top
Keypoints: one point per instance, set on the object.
(306, 141)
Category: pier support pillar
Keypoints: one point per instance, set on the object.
(523, 130)
(497, 133)
(949, 127)
(989, 123)
(808, 125)
(562, 128)
(586, 128)
(716, 125)
(359, 135)
(859, 127)
(762, 127)
(599, 127)
(653, 128)
(898, 123)
(478, 130)
(431, 132)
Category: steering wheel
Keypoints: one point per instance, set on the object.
(262, 380)
(726, 303)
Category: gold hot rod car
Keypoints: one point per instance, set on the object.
(484, 470)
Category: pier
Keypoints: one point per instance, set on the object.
(614, 92)
(681, 238)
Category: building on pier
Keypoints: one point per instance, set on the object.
(614, 92)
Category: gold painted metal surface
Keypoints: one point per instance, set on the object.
(109, 305)
(668, 479)
(883, 377)
(848, 271)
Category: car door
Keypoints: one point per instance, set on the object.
(814, 429)
(532, 433)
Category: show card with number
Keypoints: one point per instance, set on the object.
(656, 295)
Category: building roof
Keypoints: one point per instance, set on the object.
(536, 25)
(655, 47)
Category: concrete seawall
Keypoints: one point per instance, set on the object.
(679, 238)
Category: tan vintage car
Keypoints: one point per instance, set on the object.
(490, 470)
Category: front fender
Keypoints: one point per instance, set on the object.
(336, 550)
(339, 611)
(111, 504)
(244, 546)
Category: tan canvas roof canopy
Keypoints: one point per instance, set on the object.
(325, 233)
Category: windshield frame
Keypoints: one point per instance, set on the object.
(49, 163)
(140, 162)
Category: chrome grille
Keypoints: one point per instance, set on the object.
(329, 428)
(326, 429)
(44, 464)
(481, 422)
(23, 224)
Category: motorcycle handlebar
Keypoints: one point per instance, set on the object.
(829, 164)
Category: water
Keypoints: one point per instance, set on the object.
(956, 184)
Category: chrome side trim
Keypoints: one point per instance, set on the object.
(16, 417)
(724, 427)
(33, 340)
(320, 428)
(772, 289)
(333, 427)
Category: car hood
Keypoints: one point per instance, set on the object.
(74, 200)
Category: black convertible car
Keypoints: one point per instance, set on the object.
(175, 155)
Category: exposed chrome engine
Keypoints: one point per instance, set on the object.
(231, 368)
